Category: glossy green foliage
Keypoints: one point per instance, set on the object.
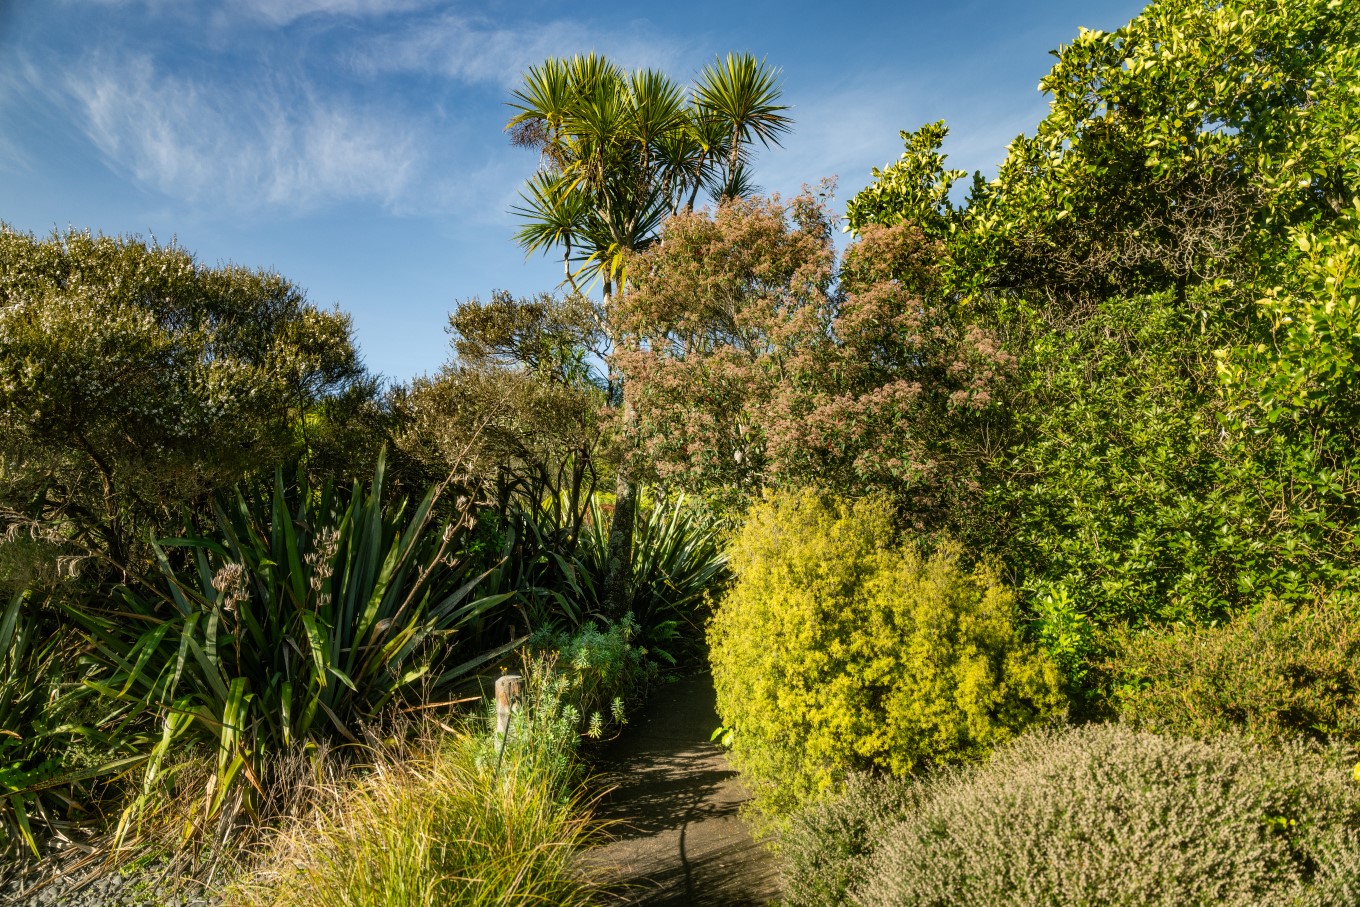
(839, 649)
(301, 616)
(913, 188)
(1104, 505)
(1177, 149)
(1294, 418)
(1167, 448)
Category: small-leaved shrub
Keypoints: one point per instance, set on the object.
(1277, 672)
(839, 649)
(1108, 815)
(826, 847)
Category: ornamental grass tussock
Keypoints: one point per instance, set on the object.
(447, 818)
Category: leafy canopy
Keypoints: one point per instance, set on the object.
(133, 380)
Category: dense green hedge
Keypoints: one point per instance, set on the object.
(1276, 672)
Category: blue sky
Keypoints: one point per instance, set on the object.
(356, 146)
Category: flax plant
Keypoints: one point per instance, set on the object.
(298, 618)
(678, 558)
(50, 756)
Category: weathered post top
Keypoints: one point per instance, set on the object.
(509, 692)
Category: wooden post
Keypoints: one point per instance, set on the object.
(509, 691)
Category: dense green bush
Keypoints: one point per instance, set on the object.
(839, 649)
(135, 381)
(1171, 259)
(1275, 672)
(1102, 506)
(1111, 816)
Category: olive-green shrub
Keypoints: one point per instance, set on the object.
(838, 649)
(1279, 671)
(1108, 815)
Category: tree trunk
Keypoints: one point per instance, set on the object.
(617, 594)
(618, 578)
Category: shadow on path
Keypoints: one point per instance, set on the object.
(676, 838)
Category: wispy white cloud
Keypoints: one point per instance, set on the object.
(334, 126)
(282, 12)
(242, 149)
(272, 12)
(468, 49)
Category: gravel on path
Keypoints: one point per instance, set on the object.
(676, 836)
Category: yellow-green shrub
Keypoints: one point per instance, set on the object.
(839, 648)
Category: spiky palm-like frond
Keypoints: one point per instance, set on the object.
(743, 92)
(621, 151)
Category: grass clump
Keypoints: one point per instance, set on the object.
(1109, 815)
(450, 819)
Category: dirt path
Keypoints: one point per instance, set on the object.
(677, 837)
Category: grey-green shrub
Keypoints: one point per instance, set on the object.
(1107, 815)
(827, 846)
(1276, 672)
(599, 669)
